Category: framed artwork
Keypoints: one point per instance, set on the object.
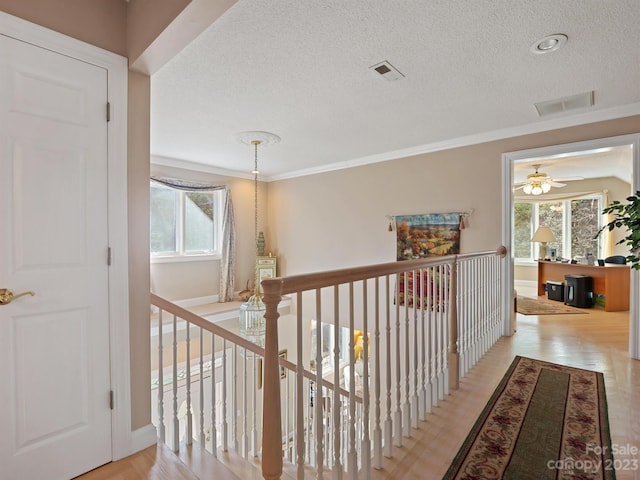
(420, 236)
(283, 371)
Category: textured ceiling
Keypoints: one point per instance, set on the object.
(300, 69)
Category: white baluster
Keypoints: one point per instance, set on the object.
(429, 342)
(234, 399)
(438, 297)
(202, 435)
(244, 439)
(431, 330)
(388, 423)
(352, 466)
(377, 430)
(287, 415)
(161, 428)
(319, 397)
(422, 398)
(406, 410)
(214, 428)
(444, 378)
(189, 416)
(397, 418)
(337, 404)
(417, 305)
(301, 425)
(365, 448)
(175, 440)
(225, 427)
(254, 405)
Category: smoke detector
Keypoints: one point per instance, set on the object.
(387, 71)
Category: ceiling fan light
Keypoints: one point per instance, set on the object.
(527, 189)
(536, 190)
(546, 187)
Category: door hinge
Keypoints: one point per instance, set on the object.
(108, 112)
(111, 399)
(108, 256)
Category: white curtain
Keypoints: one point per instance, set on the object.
(228, 257)
(228, 261)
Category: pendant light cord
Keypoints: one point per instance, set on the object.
(255, 211)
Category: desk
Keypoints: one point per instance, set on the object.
(612, 281)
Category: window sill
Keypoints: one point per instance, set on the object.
(184, 258)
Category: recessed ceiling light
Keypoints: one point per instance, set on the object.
(550, 43)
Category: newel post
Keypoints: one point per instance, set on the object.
(271, 424)
(454, 369)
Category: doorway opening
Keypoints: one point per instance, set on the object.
(605, 169)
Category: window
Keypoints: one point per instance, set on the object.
(573, 222)
(184, 224)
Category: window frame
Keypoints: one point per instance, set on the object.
(566, 226)
(180, 255)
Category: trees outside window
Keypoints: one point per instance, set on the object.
(183, 223)
(574, 223)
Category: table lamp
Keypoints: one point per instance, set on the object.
(544, 235)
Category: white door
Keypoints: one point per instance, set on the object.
(55, 417)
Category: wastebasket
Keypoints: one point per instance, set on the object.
(578, 291)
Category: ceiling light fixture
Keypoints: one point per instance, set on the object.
(252, 311)
(548, 44)
(538, 183)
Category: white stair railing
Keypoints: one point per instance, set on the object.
(400, 336)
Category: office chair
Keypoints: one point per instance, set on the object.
(617, 259)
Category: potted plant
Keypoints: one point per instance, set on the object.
(626, 215)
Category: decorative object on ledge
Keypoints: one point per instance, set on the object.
(261, 244)
(252, 323)
(544, 235)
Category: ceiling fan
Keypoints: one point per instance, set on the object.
(538, 183)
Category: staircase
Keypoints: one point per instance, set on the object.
(346, 374)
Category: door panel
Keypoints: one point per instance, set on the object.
(66, 394)
(55, 419)
(34, 181)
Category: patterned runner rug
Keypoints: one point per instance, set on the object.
(533, 306)
(544, 421)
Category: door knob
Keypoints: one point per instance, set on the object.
(7, 296)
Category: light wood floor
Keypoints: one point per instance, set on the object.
(594, 340)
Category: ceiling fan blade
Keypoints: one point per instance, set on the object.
(557, 185)
(518, 188)
(567, 179)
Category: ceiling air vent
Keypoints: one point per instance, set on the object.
(388, 71)
(574, 102)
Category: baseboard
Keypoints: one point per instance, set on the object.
(192, 302)
(143, 437)
(524, 284)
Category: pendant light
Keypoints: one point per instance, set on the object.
(252, 323)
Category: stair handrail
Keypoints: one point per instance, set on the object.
(273, 291)
(189, 316)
